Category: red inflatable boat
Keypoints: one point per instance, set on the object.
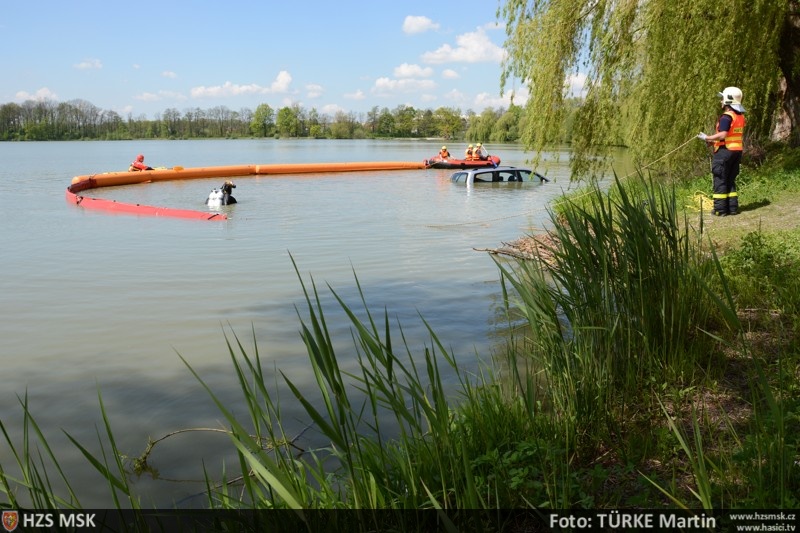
(451, 162)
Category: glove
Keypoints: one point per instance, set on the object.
(702, 136)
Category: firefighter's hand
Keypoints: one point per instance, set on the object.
(702, 136)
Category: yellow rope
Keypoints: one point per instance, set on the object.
(701, 202)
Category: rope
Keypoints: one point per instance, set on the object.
(528, 213)
(701, 202)
(663, 156)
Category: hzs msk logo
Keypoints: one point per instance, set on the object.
(10, 520)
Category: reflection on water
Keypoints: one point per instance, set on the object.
(103, 302)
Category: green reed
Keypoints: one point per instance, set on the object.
(34, 486)
(619, 308)
(430, 461)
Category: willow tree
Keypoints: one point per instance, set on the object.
(653, 69)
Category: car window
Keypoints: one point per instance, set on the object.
(508, 175)
(492, 175)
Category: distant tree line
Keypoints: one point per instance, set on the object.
(48, 120)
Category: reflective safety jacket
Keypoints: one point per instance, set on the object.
(735, 139)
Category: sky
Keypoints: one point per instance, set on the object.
(145, 57)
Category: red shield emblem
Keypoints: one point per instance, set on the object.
(10, 520)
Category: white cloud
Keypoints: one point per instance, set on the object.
(227, 89)
(450, 74)
(413, 24)
(484, 100)
(576, 85)
(412, 71)
(331, 109)
(358, 95)
(89, 64)
(42, 94)
(169, 74)
(387, 86)
(472, 47)
(455, 98)
(521, 96)
(314, 91)
(280, 85)
(147, 97)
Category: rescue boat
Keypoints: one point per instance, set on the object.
(453, 163)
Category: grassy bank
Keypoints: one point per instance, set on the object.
(681, 361)
(652, 361)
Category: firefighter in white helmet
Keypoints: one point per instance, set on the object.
(728, 142)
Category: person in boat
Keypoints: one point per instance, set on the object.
(468, 153)
(139, 164)
(443, 153)
(479, 153)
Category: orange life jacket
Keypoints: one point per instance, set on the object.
(735, 139)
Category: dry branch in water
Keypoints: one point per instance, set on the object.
(539, 247)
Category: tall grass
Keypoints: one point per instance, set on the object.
(36, 487)
(616, 312)
(438, 457)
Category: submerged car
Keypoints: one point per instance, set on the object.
(495, 175)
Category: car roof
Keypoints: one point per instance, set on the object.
(492, 169)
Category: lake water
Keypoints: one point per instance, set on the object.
(97, 303)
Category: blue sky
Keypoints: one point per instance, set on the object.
(146, 57)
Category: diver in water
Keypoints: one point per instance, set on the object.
(221, 196)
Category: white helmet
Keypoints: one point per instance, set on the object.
(732, 96)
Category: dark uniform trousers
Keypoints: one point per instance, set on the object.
(725, 168)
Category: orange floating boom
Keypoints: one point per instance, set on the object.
(111, 179)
